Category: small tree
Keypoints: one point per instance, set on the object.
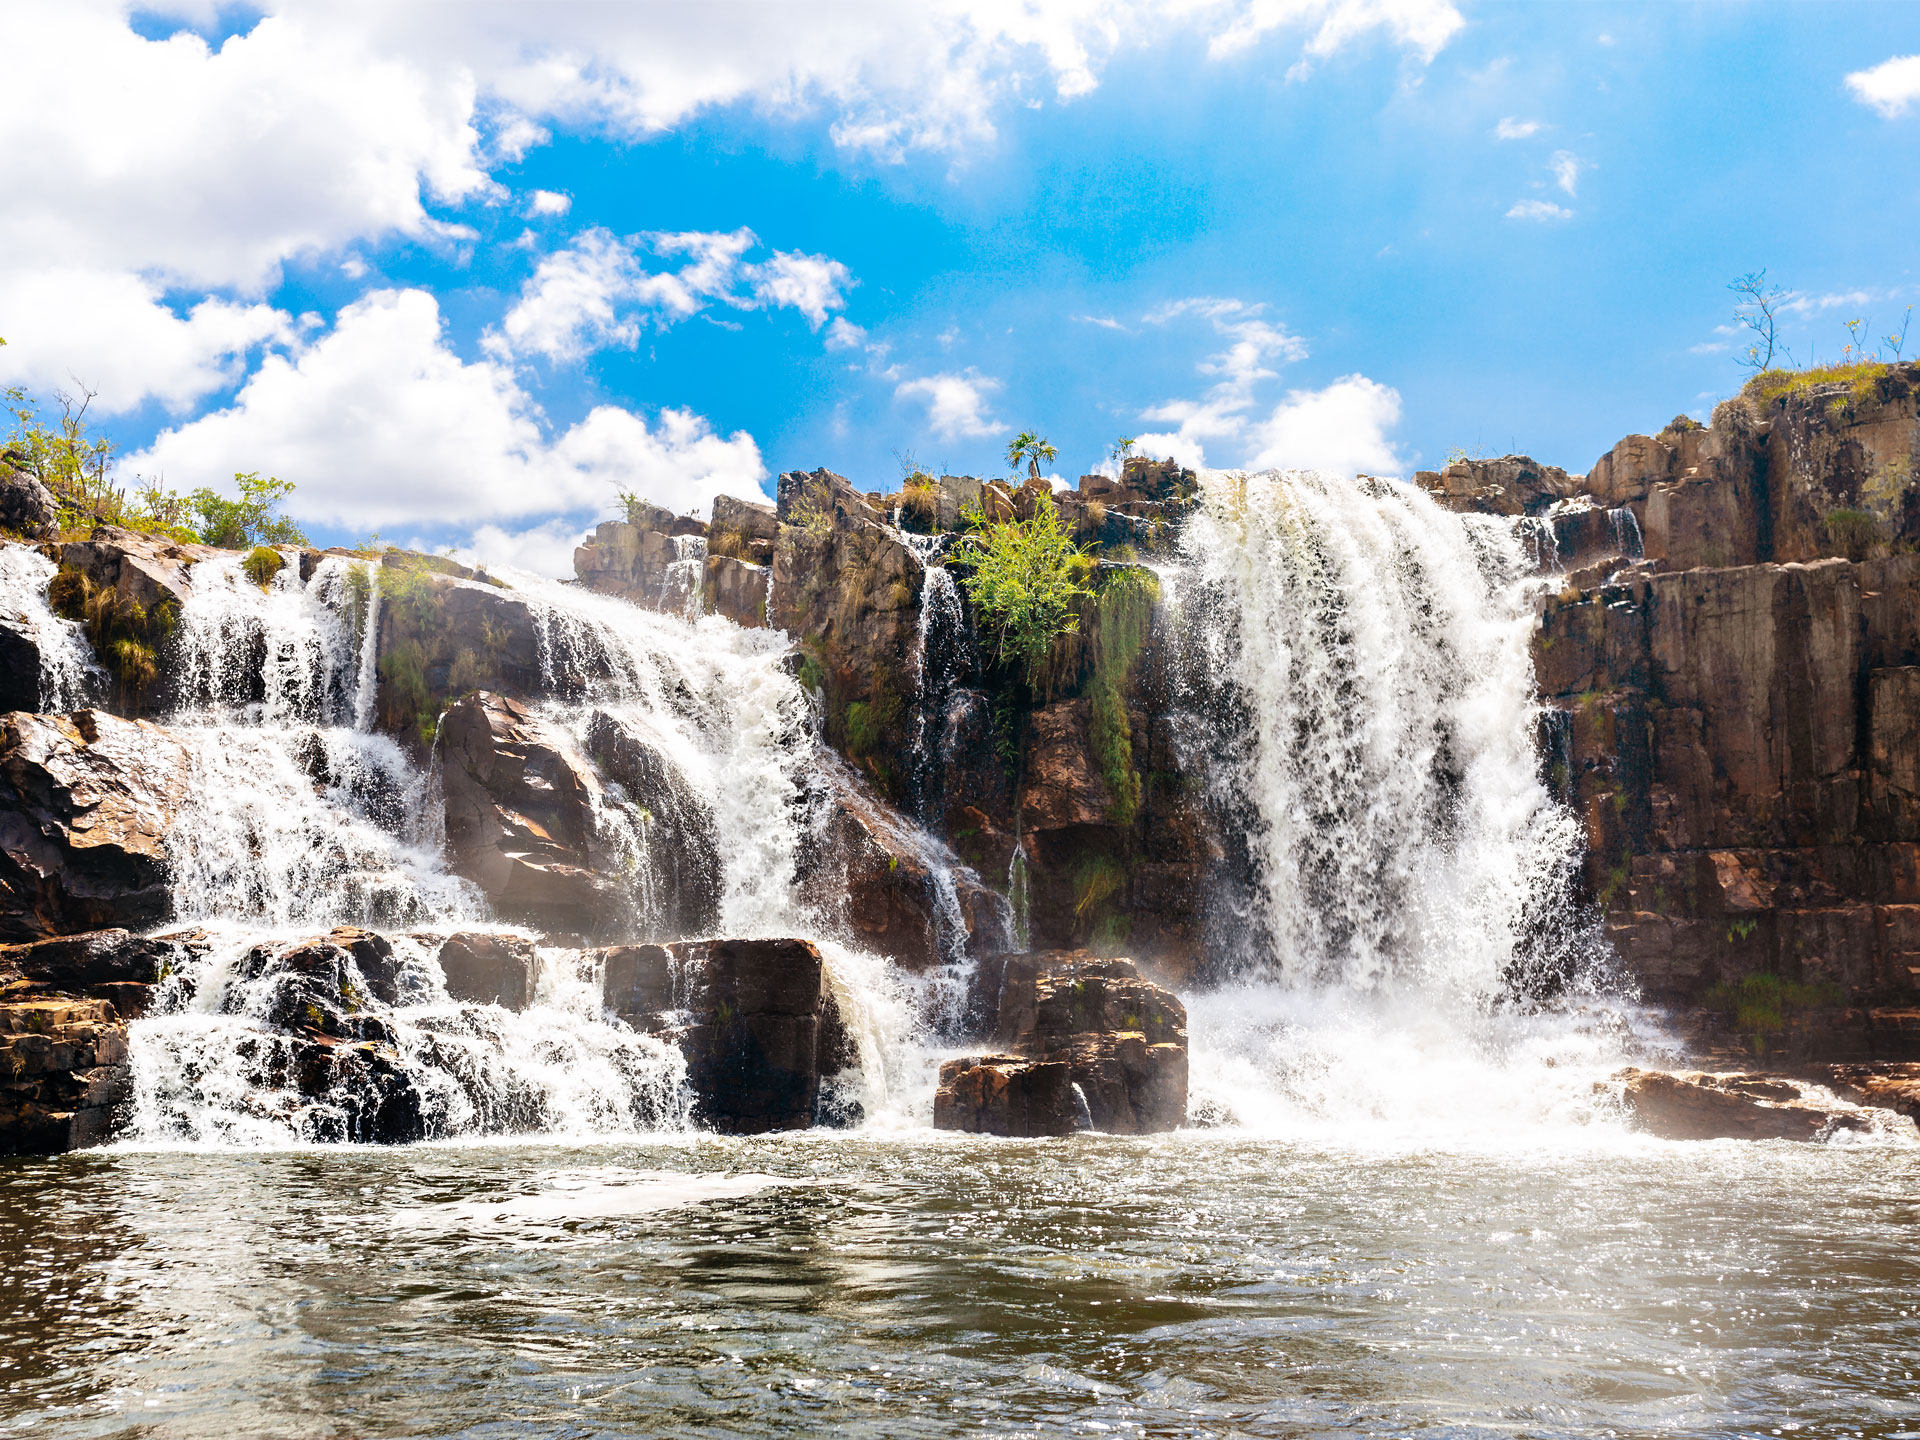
(1758, 310)
(248, 521)
(1022, 576)
(1031, 448)
(1122, 451)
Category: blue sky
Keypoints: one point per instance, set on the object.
(464, 273)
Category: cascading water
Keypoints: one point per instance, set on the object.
(1363, 655)
(69, 676)
(1626, 532)
(300, 818)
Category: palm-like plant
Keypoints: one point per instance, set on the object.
(1031, 448)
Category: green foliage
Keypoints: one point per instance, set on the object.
(262, 564)
(812, 509)
(813, 675)
(1121, 618)
(869, 722)
(1861, 379)
(1739, 930)
(1762, 1005)
(1854, 532)
(920, 504)
(1097, 880)
(124, 633)
(1032, 449)
(408, 700)
(1023, 577)
(249, 520)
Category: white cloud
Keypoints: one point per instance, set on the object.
(596, 293)
(1538, 210)
(1421, 26)
(843, 334)
(1889, 87)
(1222, 411)
(543, 549)
(1105, 322)
(381, 426)
(549, 202)
(1341, 430)
(113, 333)
(1566, 167)
(1512, 129)
(956, 402)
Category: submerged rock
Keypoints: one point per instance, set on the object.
(1007, 1095)
(1706, 1105)
(86, 801)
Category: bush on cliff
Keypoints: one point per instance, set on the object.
(1023, 576)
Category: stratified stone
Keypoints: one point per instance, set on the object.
(1701, 1105)
(63, 1073)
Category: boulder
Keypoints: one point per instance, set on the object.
(1890, 1087)
(519, 807)
(85, 804)
(114, 965)
(742, 530)
(312, 988)
(26, 505)
(63, 1074)
(636, 559)
(1703, 1105)
(1007, 1095)
(756, 1020)
(445, 631)
(685, 876)
(486, 968)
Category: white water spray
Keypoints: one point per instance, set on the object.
(69, 676)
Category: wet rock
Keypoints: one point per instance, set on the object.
(682, 850)
(903, 893)
(63, 1074)
(1890, 1087)
(758, 1025)
(485, 968)
(114, 965)
(738, 590)
(148, 571)
(445, 631)
(1122, 1038)
(312, 988)
(1007, 1095)
(1704, 1105)
(85, 804)
(519, 806)
(26, 505)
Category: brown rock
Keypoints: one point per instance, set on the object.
(743, 530)
(1510, 485)
(1006, 1095)
(1890, 1087)
(737, 589)
(1061, 788)
(63, 1074)
(85, 803)
(487, 968)
(26, 505)
(685, 876)
(1699, 1105)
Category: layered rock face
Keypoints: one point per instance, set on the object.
(1120, 1043)
(85, 803)
(756, 1020)
(1703, 1105)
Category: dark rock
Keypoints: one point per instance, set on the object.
(1890, 1087)
(446, 632)
(111, 965)
(742, 530)
(1509, 485)
(520, 807)
(1006, 1095)
(635, 559)
(755, 1019)
(738, 590)
(1699, 1105)
(314, 989)
(85, 804)
(682, 850)
(26, 505)
(63, 1074)
(485, 968)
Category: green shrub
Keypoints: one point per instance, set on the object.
(1023, 577)
(262, 564)
(1854, 532)
(870, 721)
(1862, 379)
(1121, 618)
(124, 633)
(1761, 1005)
(249, 520)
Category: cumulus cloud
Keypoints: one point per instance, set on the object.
(1221, 412)
(1538, 210)
(956, 402)
(543, 549)
(380, 425)
(1341, 429)
(596, 292)
(1889, 87)
(549, 202)
(1420, 26)
(1512, 129)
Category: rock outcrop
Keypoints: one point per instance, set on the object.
(85, 803)
(1121, 1039)
(445, 631)
(1509, 485)
(652, 558)
(26, 506)
(1703, 1105)
(1008, 1095)
(484, 967)
(756, 1019)
(680, 868)
(63, 1074)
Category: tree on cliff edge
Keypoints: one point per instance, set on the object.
(1031, 448)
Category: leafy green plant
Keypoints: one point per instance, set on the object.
(1854, 532)
(1121, 619)
(262, 564)
(125, 634)
(235, 524)
(1032, 449)
(1023, 577)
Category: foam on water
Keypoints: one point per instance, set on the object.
(69, 676)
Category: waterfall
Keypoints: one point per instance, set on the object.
(1626, 532)
(683, 586)
(69, 676)
(942, 657)
(1362, 657)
